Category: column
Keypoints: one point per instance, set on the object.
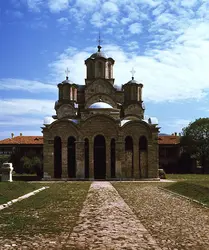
(80, 159)
(48, 160)
(91, 159)
(136, 161)
(64, 159)
(119, 156)
(108, 160)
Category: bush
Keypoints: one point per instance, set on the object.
(3, 159)
(37, 166)
(26, 164)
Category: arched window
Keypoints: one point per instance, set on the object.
(90, 70)
(109, 70)
(100, 71)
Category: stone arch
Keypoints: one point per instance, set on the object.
(135, 127)
(129, 163)
(101, 98)
(57, 157)
(143, 156)
(71, 157)
(64, 128)
(103, 124)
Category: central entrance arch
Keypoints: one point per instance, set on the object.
(99, 157)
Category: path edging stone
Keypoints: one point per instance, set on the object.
(9, 203)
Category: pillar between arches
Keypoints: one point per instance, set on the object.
(91, 160)
(108, 161)
(119, 156)
(80, 159)
(64, 160)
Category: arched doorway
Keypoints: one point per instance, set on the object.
(86, 158)
(57, 157)
(71, 158)
(143, 157)
(112, 153)
(129, 166)
(99, 157)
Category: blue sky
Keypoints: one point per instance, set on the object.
(167, 42)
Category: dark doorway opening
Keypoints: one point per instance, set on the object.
(86, 158)
(112, 147)
(71, 158)
(129, 156)
(99, 157)
(57, 157)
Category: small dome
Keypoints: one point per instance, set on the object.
(67, 81)
(133, 81)
(97, 55)
(48, 120)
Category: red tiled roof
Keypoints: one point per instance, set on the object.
(23, 140)
(163, 139)
(168, 139)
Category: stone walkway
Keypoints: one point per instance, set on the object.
(107, 222)
(160, 221)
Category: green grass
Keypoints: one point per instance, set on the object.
(194, 186)
(12, 190)
(188, 177)
(198, 190)
(49, 212)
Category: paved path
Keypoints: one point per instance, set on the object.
(175, 222)
(107, 222)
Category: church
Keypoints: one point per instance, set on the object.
(99, 131)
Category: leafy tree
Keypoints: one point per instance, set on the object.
(26, 164)
(195, 140)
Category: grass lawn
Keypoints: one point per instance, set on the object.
(195, 186)
(49, 212)
(12, 190)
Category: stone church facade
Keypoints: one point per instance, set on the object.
(88, 142)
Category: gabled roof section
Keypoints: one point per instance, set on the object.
(168, 139)
(30, 140)
(35, 140)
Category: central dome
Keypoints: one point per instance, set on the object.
(99, 53)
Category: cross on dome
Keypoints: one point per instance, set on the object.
(67, 71)
(133, 73)
(99, 42)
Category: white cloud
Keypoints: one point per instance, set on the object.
(135, 28)
(35, 5)
(109, 7)
(30, 107)
(26, 85)
(58, 5)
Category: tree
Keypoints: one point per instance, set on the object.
(195, 140)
